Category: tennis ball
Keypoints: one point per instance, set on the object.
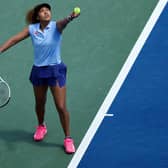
(77, 10)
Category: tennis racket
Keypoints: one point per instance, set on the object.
(5, 93)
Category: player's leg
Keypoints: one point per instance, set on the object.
(40, 101)
(59, 95)
(40, 93)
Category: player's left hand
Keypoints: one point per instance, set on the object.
(74, 15)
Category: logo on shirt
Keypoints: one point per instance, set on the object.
(38, 34)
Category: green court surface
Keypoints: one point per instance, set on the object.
(94, 47)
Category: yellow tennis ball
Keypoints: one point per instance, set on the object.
(77, 10)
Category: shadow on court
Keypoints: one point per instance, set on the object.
(19, 136)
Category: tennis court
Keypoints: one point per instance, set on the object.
(95, 47)
(133, 133)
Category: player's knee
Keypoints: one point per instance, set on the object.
(40, 101)
(61, 108)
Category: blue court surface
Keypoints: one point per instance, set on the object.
(137, 135)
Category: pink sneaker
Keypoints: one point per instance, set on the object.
(69, 145)
(41, 131)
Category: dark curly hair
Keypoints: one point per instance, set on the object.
(31, 16)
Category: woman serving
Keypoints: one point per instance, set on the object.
(48, 70)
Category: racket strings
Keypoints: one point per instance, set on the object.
(4, 93)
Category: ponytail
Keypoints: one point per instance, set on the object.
(31, 17)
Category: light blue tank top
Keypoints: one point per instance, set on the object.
(46, 44)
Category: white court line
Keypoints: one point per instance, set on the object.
(117, 84)
(108, 115)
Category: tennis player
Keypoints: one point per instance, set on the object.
(48, 70)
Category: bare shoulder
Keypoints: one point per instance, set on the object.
(24, 32)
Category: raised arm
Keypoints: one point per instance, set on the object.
(61, 24)
(15, 39)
